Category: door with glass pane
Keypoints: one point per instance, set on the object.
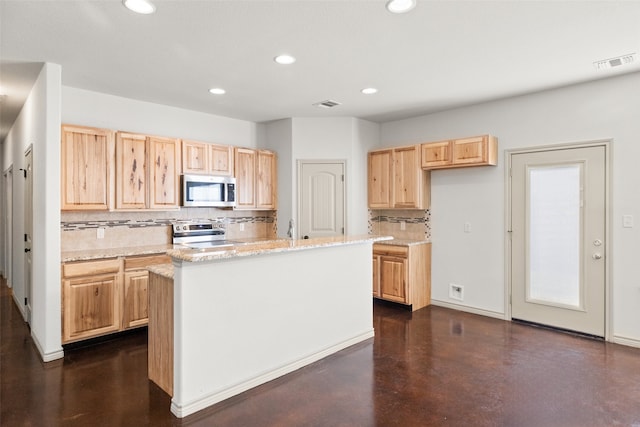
(558, 238)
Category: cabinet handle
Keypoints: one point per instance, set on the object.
(97, 291)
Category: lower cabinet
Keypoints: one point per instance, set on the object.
(402, 273)
(99, 298)
(90, 299)
(135, 296)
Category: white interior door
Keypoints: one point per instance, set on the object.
(28, 230)
(8, 223)
(321, 199)
(558, 223)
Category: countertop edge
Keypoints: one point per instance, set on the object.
(194, 256)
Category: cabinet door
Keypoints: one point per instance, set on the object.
(469, 151)
(393, 278)
(221, 159)
(245, 160)
(195, 157)
(376, 276)
(86, 162)
(131, 171)
(266, 180)
(436, 154)
(164, 178)
(407, 185)
(135, 299)
(379, 179)
(91, 306)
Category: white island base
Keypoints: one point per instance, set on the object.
(246, 319)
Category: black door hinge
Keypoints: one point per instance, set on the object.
(25, 301)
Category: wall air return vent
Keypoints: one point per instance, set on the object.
(615, 62)
(326, 104)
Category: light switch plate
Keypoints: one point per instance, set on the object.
(627, 221)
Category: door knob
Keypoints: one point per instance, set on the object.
(597, 242)
(27, 250)
(596, 256)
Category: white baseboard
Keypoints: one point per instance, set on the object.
(468, 309)
(208, 400)
(47, 357)
(21, 308)
(631, 342)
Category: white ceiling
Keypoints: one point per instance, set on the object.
(441, 55)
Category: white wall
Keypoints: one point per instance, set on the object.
(342, 138)
(592, 111)
(82, 107)
(277, 136)
(39, 125)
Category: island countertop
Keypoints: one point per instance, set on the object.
(272, 246)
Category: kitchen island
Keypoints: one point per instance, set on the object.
(245, 315)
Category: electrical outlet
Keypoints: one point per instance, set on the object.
(100, 233)
(403, 225)
(467, 227)
(456, 291)
(242, 226)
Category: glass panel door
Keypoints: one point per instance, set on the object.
(554, 235)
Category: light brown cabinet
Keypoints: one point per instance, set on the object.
(402, 274)
(135, 296)
(143, 186)
(86, 168)
(204, 158)
(256, 179)
(90, 299)
(380, 166)
(97, 301)
(463, 152)
(396, 179)
(164, 181)
(131, 171)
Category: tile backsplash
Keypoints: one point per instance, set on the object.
(417, 223)
(79, 229)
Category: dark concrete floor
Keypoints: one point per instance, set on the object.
(431, 367)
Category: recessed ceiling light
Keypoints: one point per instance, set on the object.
(217, 91)
(369, 90)
(400, 6)
(284, 59)
(144, 7)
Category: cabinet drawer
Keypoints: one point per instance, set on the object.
(88, 268)
(140, 262)
(392, 250)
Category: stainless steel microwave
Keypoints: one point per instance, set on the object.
(208, 191)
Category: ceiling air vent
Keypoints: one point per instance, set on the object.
(615, 62)
(326, 104)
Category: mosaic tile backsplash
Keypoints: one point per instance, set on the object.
(417, 223)
(122, 229)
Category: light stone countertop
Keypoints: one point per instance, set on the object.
(267, 247)
(403, 242)
(164, 270)
(96, 254)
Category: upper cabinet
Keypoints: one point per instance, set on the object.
(203, 158)
(380, 164)
(396, 180)
(164, 179)
(86, 168)
(141, 184)
(464, 152)
(131, 171)
(256, 173)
